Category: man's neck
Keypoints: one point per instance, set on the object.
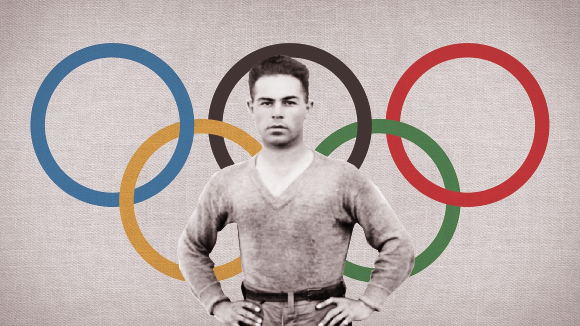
(284, 160)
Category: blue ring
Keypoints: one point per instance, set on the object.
(100, 51)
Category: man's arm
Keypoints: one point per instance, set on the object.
(384, 232)
(195, 244)
(197, 241)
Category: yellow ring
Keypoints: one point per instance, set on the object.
(131, 174)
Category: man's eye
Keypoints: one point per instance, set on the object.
(290, 103)
(267, 103)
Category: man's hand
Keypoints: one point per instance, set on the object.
(346, 311)
(231, 313)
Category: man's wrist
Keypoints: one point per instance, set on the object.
(368, 303)
(219, 303)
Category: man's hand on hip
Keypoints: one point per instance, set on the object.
(345, 312)
(231, 313)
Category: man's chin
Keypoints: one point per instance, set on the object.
(279, 142)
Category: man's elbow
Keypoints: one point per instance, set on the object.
(183, 247)
(407, 253)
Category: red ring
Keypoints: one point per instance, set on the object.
(541, 132)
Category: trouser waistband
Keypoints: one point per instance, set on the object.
(337, 290)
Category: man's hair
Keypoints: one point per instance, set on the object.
(280, 65)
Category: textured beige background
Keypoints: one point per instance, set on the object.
(65, 262)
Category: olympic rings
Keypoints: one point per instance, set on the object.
(541, 116)
(436, 153)
(129, 181)
(332, 63)
(75, 60)
(128, 195)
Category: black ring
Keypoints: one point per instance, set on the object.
(297, 50)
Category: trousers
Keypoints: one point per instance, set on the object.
(291, 313)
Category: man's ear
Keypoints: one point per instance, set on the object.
(250, 104)
(309, 107)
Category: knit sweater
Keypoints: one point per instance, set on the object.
(299, 239)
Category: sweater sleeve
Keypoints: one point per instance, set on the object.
(384, 232)
(198, 240)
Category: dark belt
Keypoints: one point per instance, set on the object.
(337, 290)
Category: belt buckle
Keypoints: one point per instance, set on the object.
(310, 293)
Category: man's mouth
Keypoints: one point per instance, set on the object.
(277, 127)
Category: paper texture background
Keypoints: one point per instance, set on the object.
(66, 262)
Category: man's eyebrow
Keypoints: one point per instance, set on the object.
(291, 97)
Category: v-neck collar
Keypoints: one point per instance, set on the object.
(290, 192)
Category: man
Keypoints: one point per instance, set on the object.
(295, 210)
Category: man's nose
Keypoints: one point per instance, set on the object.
(277, 111)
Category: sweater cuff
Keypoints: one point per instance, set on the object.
(212, 295)
(212, 306)
(374, 296)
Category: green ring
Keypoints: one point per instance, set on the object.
(436, 153)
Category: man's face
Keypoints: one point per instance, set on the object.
(279, 109)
